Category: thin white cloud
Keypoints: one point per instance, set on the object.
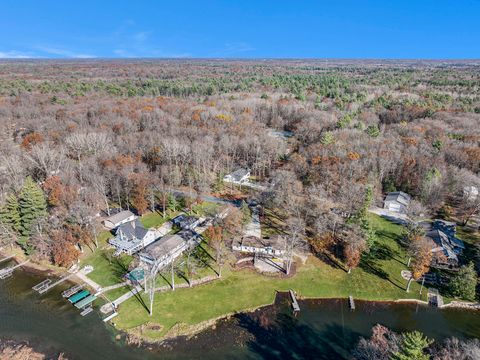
(13, 54)
(64, 52)
(230, 49)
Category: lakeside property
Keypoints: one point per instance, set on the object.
(377, 278)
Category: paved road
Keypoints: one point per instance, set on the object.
(208, 198)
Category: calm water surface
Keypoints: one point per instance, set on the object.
(325, 329)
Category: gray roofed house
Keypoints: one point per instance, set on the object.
(397, 201)
(186, 222)
(239, 176)
(165, 250)
(442, 233)
(118, 219)
(132, 236)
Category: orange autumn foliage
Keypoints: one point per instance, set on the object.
(31, 139)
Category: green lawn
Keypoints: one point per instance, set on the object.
(272, 224)
(156, 219)
(377, 278)
(107, 269)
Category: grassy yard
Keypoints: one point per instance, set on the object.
(377, 278)
(156, 219)
(108, 270)
(271, 224)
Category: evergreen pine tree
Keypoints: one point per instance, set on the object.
(464, 283)
(327, 138)
(10, 214)
(32, 205)
(412, 347)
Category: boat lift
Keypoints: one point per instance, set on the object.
(46, 285)
(73, 290)
(7, 272)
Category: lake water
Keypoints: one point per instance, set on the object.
(324, 329)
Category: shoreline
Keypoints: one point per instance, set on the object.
(135, 336)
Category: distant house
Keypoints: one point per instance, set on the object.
(447, 245)
(186, 222)
(470, 193)
(131, 237)
(397, 201)
(165, 250)
(118, 219)
(239, 176)
(275, 245)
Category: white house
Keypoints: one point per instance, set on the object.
(132, 236)
(118, 219)
(275, 245)
(239, 176)
(470, 193)
(397, 201)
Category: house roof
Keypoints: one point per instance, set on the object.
(238, 174)
(184, 220)
(163, 246)
(119, 217)
(444, 243)
(399, 196)
(132, 229)
(276, 242)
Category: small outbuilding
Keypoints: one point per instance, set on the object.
(122, 217)
(397, 201)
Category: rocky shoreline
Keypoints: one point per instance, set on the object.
(22, 349)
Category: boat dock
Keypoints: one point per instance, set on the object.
(295, 306)
(7, 258)
(351, 302)
(110, 317)
(46, 285)
(112, 306)
(86, 301)
(7, 272)
(72, 291)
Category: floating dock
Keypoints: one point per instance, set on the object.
(351, 302)
(86, 311)
(295, 306)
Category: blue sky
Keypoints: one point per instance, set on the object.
(240, 28)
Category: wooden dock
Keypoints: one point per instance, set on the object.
(110, 317)
(7, 272)
(295, 306)
(46, 285)
(7, 258)
(351, 302)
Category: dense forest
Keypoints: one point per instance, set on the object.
(79, 137)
